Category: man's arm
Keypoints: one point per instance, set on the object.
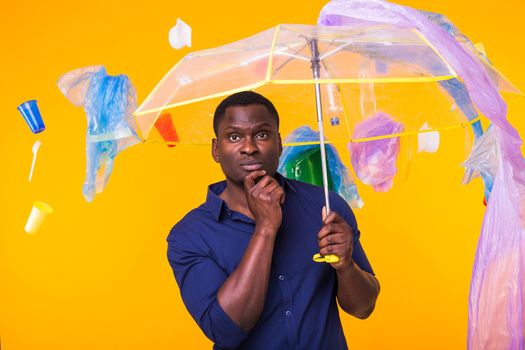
(357, 290)
(243, 293)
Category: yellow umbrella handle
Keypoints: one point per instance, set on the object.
(330, 258)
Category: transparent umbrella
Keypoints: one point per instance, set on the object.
(325, 77)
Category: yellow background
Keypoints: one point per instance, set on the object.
(96, 275)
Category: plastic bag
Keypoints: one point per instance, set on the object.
(483, 161)
(374, 161)
(304, 163)
(496, 313)
(109, 102)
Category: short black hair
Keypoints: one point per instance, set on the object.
(243, 98)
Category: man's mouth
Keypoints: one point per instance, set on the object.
(252, 166)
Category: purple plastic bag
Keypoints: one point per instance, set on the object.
(374, 161)
(497, 288)
(496, 314)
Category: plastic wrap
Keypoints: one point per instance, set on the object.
(304, 163)
(109, 102)
(374, 161)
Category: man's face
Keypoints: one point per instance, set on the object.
(247, 140)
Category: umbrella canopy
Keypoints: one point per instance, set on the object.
(388, 78)
(361, 71)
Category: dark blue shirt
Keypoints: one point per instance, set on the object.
(300, 310)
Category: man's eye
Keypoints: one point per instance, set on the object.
(234, 138)
(262, 135)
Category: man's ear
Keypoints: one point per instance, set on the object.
(215, 150)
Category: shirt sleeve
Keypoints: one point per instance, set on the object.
(358, 253)
(199, 278)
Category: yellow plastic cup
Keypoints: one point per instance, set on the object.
(38, 214)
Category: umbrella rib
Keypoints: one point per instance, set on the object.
(418, 33)
(289, 59)
(337, 49)
(294, 56)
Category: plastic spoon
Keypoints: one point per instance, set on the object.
(35, 148)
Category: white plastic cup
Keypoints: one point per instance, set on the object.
(38, 214)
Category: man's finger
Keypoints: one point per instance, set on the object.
(267, 190)
(281, 198)
(332, 239)
(265, 185)
(328, 229)
(324, 231)
(333, 217)
(337, 249)
(250, 179)
(278, 194)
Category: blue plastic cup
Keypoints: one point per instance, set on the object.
(31, 114)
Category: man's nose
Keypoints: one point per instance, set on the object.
(249, 146)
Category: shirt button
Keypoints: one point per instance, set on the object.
(288, 313)
(281, 277)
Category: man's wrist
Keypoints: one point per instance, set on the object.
(350, 266)
(265, 231)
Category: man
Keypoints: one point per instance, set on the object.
(243, 259)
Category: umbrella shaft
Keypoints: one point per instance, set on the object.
(322, 145)
(316, 72)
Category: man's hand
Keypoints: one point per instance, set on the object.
(265, 198)
(336, 237)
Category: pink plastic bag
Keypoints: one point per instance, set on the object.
(374, 161)
(497, 288)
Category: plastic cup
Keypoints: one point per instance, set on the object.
(31, 114)
(166, 129)
(38, 214)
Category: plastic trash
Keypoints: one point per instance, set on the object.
(35, 148)
(166, 129)
(32, 116)
(483, 161)
(496, 290)
(427, 141)
(180, 35)
(109, 102)
(303, 163)
(374, 161)
(38, 214)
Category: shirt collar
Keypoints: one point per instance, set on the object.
(216, 205)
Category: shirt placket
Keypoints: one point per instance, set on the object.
(288, 312)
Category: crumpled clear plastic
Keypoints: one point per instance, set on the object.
(483, 161)
(291, 159)
(374, 161)
(109, 102)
